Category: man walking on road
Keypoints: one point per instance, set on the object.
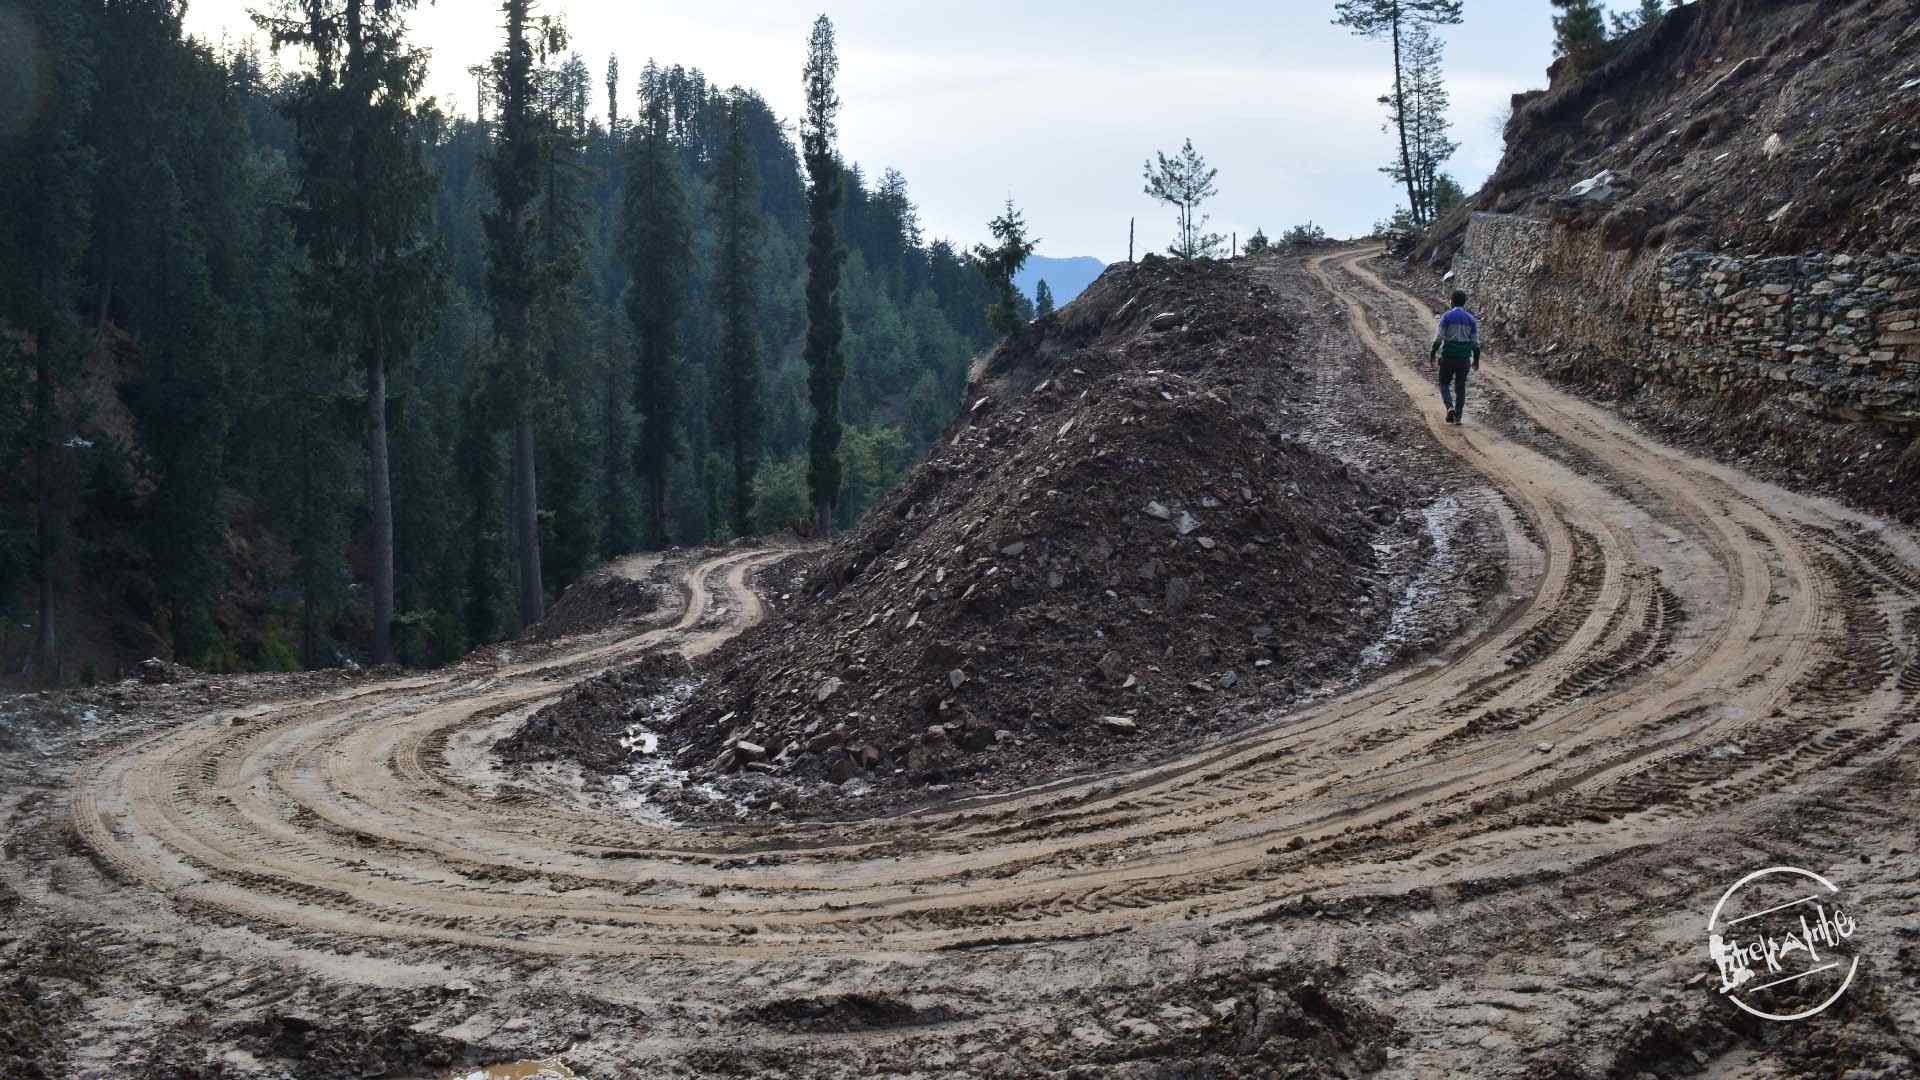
(1456, 342)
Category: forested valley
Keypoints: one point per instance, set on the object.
(605, 308)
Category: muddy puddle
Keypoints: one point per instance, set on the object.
(549, 1069)
(1427, 596)
(650, 773)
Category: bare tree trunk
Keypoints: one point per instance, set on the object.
(46, 663)
(1400, 124)
(743, 482)
(380, 502)
(657, 506)
(614, 464)
(526, 525)
(309, 633)
(106, 301)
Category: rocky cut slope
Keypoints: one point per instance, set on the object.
(1752, 127)
(1114, 545)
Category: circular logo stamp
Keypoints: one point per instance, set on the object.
(1782, 937)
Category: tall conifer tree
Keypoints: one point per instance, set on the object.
(1392, 19)
(657, 247)
(362, 214)
(527, 262)
(999, 262)
(617, 533)
(45, 171)
(1423, 120)
(737, 406)
(1579, 27)
(826, 363)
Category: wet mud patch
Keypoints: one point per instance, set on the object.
(1857, 1037)
(46, 981)
(1442, 575)
(844, 1013)
(33, 1029)
(313, 1050)
(591, 721)
(1282, 1021)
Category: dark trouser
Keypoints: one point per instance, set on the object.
(1453, 383)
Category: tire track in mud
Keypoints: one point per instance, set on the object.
(1679, 636)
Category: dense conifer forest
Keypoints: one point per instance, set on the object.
(582, 333)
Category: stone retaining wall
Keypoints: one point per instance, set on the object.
(1836, 335)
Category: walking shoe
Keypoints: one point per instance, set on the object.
(1453, 417)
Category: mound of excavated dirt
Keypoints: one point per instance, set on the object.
(1112, 548)
(610, 595)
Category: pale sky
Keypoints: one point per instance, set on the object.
(1056, 104)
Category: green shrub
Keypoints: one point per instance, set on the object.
(1301, 235)
(780, 498)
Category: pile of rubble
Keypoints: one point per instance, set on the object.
(609, 596)
(1113, 547)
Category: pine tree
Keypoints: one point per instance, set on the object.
(1184, 181)
(514, 282)
(362, 215)
(657, 247)
(477, 461)
(166, 136)
(826, 363)
(1424, 121)
(1042, 299)
(1580, 26)
(737, 406)
(1393, 19)
(999, 262)
(45, 172)
(618, 535)
(564, 328)
(1648, 13)
(298, 427)
(180, 405)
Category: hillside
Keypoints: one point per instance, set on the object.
(1761, 127)
(1714, 223)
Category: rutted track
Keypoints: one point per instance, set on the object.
(1665, 608)
(346, 815)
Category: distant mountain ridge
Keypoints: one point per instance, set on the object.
(1066, 277)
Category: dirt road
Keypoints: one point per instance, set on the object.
(1488, 861)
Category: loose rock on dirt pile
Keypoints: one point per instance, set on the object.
(1115, 544)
